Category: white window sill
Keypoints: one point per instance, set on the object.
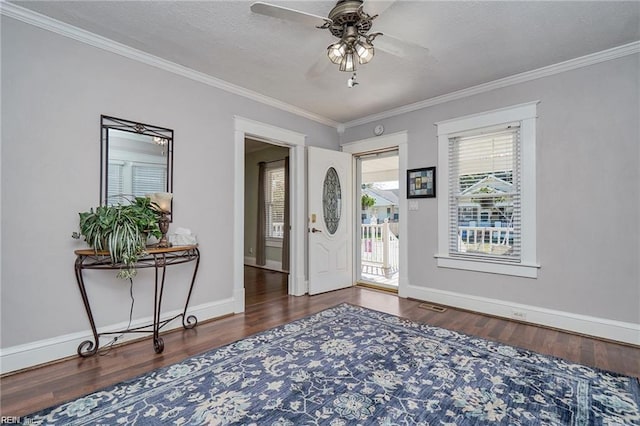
(274, 242)
(527, 270)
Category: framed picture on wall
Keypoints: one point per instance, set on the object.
(421, 183)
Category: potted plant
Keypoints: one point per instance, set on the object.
(122, 230)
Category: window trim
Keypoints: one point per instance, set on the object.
(526, 114)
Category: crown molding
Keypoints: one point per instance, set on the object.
(36, 19)
(571, 64)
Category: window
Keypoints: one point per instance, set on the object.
(129, 179)
(147, 179)
(115, 181)
(274, 200)
(484, 194)
(487, 210)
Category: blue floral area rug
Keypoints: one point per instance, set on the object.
(352, 366)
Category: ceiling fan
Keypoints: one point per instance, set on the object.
(350, 24)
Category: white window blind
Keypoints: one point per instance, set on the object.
(274, 200)
(147, 179)
(115, 182)
(484, 195)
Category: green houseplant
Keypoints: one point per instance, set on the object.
(367, 201)
(122, 230)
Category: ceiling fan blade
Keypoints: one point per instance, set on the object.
(288, 14)
(377, 7)
(397, 47)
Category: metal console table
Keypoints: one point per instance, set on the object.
(158, 258)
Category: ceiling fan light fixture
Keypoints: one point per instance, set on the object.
(336, 52)
(355, 45)
(364, 50)
(348, 63)
(347, 21)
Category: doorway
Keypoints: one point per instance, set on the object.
(394, 141)
(378, 229)
(266, 201)
(246, 128)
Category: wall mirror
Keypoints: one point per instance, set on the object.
(136, 160)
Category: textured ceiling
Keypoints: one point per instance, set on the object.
(455, 45)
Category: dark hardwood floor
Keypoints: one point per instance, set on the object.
(262, 285)
(268, 306)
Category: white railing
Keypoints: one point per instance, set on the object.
(379, 249)
(277, 229)
(474, 236)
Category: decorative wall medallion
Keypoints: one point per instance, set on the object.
(332, 200)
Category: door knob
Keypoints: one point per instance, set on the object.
(314, 230)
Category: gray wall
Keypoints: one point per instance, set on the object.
(588, 192)
(53, 92)
(251, 198)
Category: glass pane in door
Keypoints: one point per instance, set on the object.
(332, 200)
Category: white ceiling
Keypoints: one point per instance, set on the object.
(457, 44)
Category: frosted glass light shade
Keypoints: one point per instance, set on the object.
(162, 200)
(348, 63)
(364, 50)
(336, 52)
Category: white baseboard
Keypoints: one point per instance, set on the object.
(273, 265)
(593, 326)
(48, 350)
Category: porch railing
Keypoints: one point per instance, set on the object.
(277, 229)
(470, 236)
(379, 248)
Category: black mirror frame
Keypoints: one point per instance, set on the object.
(106, 123)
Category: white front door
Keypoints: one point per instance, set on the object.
(330, 207)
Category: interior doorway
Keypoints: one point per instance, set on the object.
(378, 222)
(266, 220)
(246, 128)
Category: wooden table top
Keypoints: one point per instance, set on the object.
(150, 250)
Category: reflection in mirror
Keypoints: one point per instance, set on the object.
(136, 160)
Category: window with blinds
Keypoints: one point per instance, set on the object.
(132, 179)
(274, 201)
(484, 195)
(115, 181)
(147, 179)
(487, 214)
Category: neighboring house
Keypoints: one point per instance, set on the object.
(483, 204)
(385, 206)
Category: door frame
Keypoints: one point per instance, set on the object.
(397, 140)
(243, 128)
(358, 217)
